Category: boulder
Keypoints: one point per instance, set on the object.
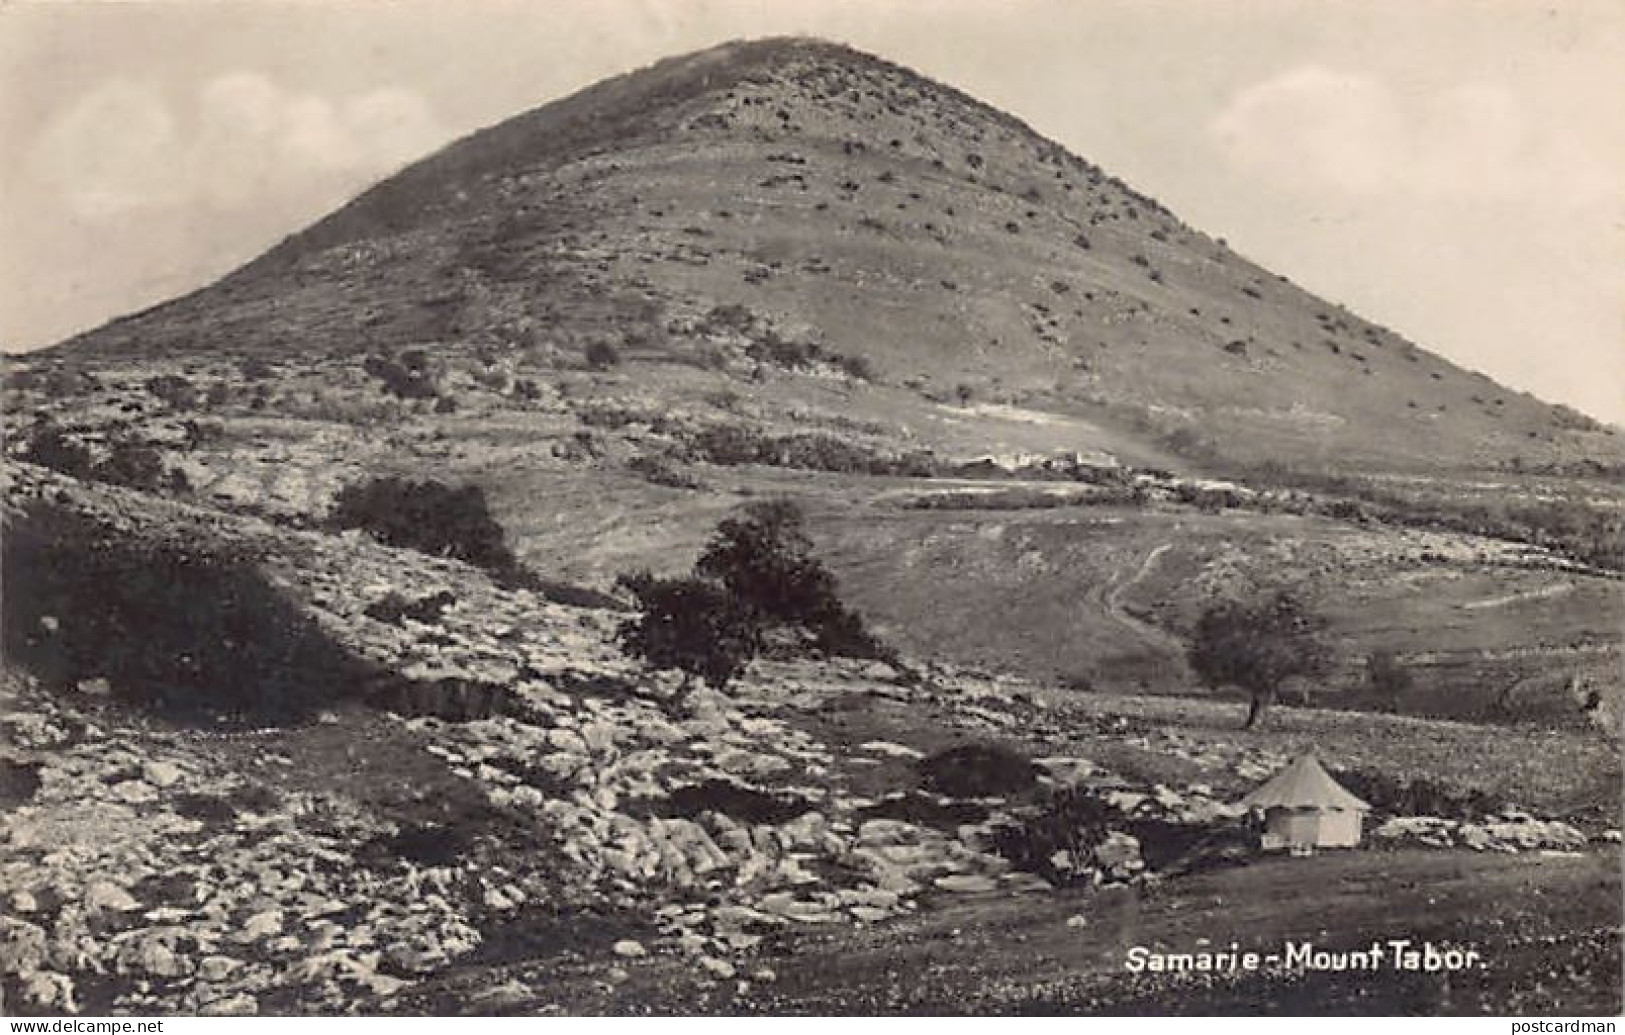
(22, 946)
(161, 774)
(151, 954)
(134, 792)
(104, 895)
(49, 992)
(629, 949)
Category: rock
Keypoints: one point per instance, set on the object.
(722, 970)
(240, 1005)
(1077, 920)
(567, 741)
(97, 687)
(162, 774)
(134, 792)
(105, 895)
(883, 833)
(22, 946)
(766, 975)
(1119, 851)
(890, 749)
(1612, 837)
(49, 991)
(23, 902)
(216, 968)
(151, 955)
(381, 984)
(966, 883)
(261, 925)
(629, 949)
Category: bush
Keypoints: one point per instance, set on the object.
(190, 632)
(601, 355)
(393, 608)
(1386, 678)
(856, 367)
(401, 379)
(1070, 821)
(756, 575)
(173, 389)
(659, 471)
(978, 771)
(429, 517)
(133, 465)
(1392, 796)
(50, 447)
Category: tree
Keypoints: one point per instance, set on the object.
(756, 575)
(765, 560)
(1257, 647)
(693, 625)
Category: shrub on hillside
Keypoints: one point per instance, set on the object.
(173, 389)
(1391, 795)
(1067, 826)
(601, 355)
(429, 517)
(133, 465)
(193, 632)
(978, 771)
(405, 380)
(1386, 678)
(49, 446)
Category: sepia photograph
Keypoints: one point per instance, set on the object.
(823, 508)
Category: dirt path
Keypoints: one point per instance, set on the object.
(1110, 599)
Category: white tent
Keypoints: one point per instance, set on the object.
(1304, 808)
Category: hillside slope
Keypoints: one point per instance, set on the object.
(772, 198)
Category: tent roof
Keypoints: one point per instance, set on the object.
(1303, 785)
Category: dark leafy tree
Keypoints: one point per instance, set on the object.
(693, 625)
(1258, 646)
(757, 575)
(765, 560)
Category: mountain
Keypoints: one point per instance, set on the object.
(316, 696)
(830, 199)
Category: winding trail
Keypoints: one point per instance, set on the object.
(1110, 599)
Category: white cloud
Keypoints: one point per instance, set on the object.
(243, 140)
(1313, 128)
(109, 153)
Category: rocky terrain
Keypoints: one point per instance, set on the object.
(517, 788)
(254, 762)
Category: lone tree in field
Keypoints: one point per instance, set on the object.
(1257, 647)
(757, 575)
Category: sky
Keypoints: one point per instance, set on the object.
(1453, 169)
